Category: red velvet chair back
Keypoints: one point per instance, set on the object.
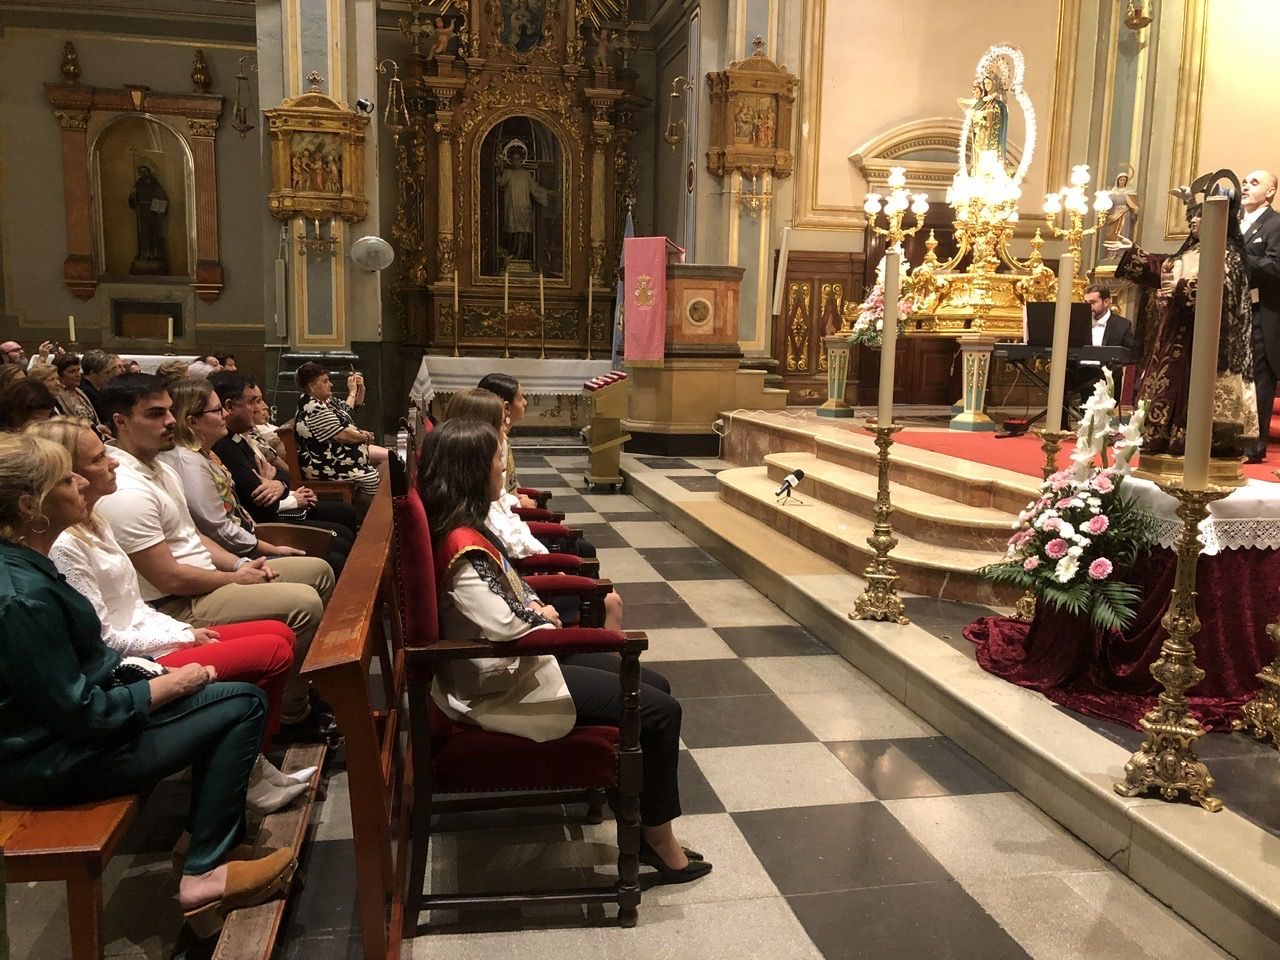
(415, 571)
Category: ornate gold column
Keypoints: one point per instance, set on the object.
(602, 100)
(445, 90)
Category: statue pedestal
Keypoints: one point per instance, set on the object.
(838, 347)
(977, 368)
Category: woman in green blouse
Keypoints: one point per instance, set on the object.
(72, 736)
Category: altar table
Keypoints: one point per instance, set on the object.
(1108, 675)
(550, 377)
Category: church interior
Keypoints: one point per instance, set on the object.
(880, 413)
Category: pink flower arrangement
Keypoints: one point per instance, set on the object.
(1056, 548)
(1074, 544)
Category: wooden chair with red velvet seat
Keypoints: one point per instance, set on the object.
(458, 758)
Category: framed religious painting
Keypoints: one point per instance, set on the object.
(752, 103)
(317, 158)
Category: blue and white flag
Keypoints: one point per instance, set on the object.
(616, 356)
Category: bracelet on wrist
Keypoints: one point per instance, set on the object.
(240, 563)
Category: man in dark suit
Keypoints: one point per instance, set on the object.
(1260, 225)
(1109, 330)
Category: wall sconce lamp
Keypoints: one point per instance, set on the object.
(240, 109)
(395, 116)
(313, 243)
(758, 197)
(676, 128)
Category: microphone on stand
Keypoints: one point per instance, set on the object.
(788, 482)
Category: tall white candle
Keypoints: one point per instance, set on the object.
(889, 336)
(1058, 355)
(506, 287)
(1204, 343)
(171, 329)
(71, 328)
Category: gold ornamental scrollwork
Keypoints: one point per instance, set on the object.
(798, 332)
(72, 119)
(752, 104)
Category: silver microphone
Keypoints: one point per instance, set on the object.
(789, 481)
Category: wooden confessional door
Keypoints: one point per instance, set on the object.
(818, 284)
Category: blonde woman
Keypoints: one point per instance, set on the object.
(87, 554)
(78, 730)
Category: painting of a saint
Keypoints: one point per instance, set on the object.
(315, 164)
(754, 122)
(521, 200)
(522, 23)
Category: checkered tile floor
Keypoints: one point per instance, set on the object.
(840, 824)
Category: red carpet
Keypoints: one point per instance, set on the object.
(1023, 455)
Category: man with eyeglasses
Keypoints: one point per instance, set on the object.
(1260, 226)
(183, 573)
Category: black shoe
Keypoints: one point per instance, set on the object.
(1256, 458)
(695, 870)
(316, 728)
(645, 848)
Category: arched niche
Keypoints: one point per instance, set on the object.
(929, 149)
(523, 209)
(143, 178)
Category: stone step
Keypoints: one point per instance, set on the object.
(917, 514)
(962, 481)
(925, 568)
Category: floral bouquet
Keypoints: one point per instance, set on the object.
(1074, 543)
(869, 327)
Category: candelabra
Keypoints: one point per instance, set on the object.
(240, 109)
(1262, 713)
(880, 600)
(894, 206)
(757, 198)
(316, 244)
(1073, 201)
(1167, 759)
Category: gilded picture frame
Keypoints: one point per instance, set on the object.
(317, 159)
(752, 107)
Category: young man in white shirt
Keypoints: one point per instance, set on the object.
(181, 572)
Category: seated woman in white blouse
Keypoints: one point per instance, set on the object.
(208, 485)
(258, 652)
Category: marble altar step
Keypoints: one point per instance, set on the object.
(752, 436)
(918, 514)
(840, 535)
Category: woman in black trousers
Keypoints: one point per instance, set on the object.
(536, 697)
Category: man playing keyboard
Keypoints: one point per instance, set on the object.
(1109, 329)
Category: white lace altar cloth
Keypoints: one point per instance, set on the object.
(1248, 518)
(549, 377)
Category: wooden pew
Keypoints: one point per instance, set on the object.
(350, 638)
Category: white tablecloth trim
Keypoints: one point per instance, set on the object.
(1247, 519)
(537, 377)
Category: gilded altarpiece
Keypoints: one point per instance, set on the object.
(514, 174)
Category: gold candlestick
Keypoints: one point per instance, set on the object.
(455, 331)
(880, 600)
(506, 334)
(1262, 713)
(1050, 443)
(1167, 759)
